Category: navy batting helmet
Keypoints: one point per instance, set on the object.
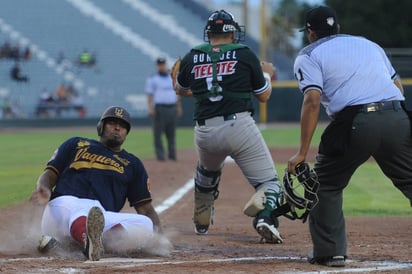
(114, 112)
(223, 22)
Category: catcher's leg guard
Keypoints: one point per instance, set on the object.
(206, 192)
(265, 198)
(256, 204)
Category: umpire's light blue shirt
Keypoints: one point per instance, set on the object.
(347, 70)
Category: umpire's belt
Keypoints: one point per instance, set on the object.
(218, 120)
(165, 105)
(379, 106)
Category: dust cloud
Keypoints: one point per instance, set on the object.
(20, 228)
(20, 233)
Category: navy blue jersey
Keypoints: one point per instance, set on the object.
(87, 169)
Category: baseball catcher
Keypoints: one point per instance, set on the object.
(223, 77)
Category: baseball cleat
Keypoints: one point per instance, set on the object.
(93, 248)
(268, 231)
(201, 229)
(46, 244)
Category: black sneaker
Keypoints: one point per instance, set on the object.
(46, 244)
(201, 229)
(332, 261)
(93, 248)
(267, 229)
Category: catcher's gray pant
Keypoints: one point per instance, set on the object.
(240, 139)
(385, 135)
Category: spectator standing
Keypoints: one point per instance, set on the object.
(87, 59)
(5, 51)
(62, 94)
(164, 108)
(363, 95)
(6, 108)
(26, 55)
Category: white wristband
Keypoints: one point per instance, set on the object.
(267, 77)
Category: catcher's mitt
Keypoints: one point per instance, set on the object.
(302, 196)
(175, 70)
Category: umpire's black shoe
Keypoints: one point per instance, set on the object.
(332, 261)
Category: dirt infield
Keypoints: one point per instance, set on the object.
(376, 245)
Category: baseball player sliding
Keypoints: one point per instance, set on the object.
(85, 185)
(223, 76)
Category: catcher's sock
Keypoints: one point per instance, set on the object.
(272, 200)
(78, 229)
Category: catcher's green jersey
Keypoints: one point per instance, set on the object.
(223, 79)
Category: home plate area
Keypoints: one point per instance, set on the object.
(375, 244)
(247, 265)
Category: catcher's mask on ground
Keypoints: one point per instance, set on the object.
(300, 194)
(223, 22)
(114, 112)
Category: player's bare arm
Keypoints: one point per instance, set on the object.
(150, 105)
(398, 83)
(148, 210)
(309, 121)
(268, 71)
(45, 183)
(183, 92)
(264, 96)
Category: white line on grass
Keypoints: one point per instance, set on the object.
(175, 197)
(169, 202)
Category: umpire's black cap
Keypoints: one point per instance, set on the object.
(161, 60)
(321, 18)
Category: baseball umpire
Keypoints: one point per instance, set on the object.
(223, 76)
(363, 95)
(85, 184)
(164, 108)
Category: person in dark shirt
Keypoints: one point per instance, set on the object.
(223, 76)
(16, 74)
(85, 185)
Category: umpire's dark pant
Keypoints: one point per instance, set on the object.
(385, 135)
(165, 122)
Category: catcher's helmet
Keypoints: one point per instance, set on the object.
(301, 196)
(308, 180)
(223, 22)
(114, 112)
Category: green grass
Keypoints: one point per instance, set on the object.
(24, 155)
